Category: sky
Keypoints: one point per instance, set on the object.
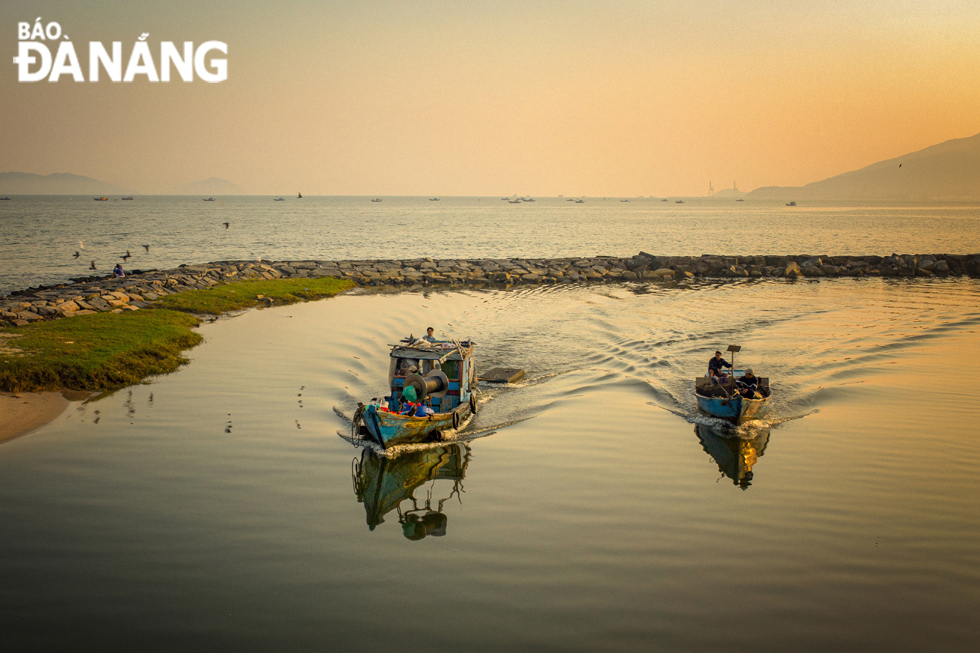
(601, 98)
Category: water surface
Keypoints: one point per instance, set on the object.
(588, 508)
(39, 235)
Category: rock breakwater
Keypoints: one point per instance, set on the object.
(140, 288)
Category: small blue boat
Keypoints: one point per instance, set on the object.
(722, 399)
(439, 376)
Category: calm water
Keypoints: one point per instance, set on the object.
(588, 508)
(39, 235)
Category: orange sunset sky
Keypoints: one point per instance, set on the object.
(489, 98)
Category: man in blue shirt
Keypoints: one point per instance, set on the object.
(715, 365)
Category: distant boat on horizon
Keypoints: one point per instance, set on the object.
(128, 197)
(208, 199)
(278, 199)
(790, 203)
(678, 201)
(4, 198)
(433, 199)
(101, 199)
(299, 196)
(376, 199)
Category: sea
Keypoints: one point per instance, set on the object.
(588, 507)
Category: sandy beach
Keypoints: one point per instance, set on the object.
(24, 412)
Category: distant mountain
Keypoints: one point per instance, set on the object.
(729, 193)
(59, 183)
(948, 171)
(212, 186)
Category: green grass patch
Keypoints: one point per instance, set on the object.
(106, 351)
(238, 296)
(95, 352)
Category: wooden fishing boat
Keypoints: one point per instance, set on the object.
(101, 199)
(440, 376)
(722, 399)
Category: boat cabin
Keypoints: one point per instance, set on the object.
(451, 360)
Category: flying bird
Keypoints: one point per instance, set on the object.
(92, 267)
(226, 224)
(127, 256)
(77, 254)
(147, 248)
(899, 165)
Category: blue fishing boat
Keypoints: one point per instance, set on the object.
(724, 398)
(430, 392)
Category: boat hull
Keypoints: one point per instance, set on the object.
(389, 429)
(736, 409)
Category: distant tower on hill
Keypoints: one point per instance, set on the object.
(734, 186)
(711, 189)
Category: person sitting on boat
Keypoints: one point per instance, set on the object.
(429, 335)
(748, 386)
(714, 368)
(410, 406)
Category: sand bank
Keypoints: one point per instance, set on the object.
(23, 412)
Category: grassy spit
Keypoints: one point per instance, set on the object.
(105, 351)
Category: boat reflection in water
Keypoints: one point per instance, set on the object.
(735, 456)
(385, 484)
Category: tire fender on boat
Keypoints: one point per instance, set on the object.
(473, 407)
(455, 420)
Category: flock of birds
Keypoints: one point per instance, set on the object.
(125, 257)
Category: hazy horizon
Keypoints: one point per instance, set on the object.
(614, 99)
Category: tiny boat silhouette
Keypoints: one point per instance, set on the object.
(101, 199)
(299, 196)
(678, 201)
(278, 199)
(376, 199)
(128, 197)
(790, 203)
(433, 199)
(208, 199)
